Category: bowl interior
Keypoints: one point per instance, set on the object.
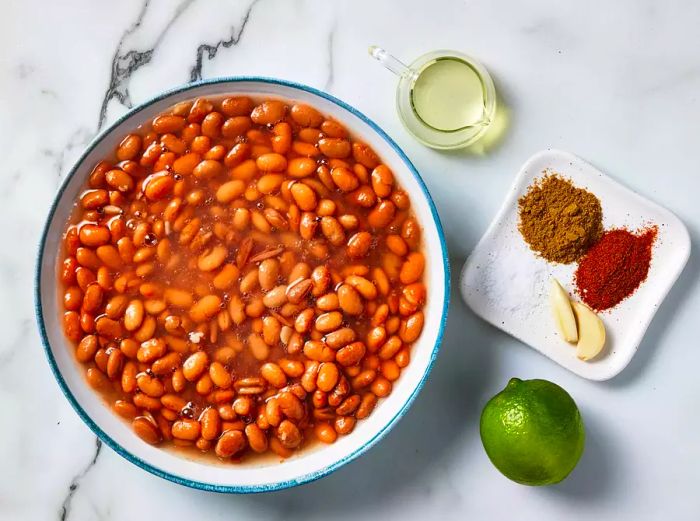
(268, 474)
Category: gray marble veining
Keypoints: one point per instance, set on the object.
(617, 83)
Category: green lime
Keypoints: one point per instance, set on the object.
(532, 432)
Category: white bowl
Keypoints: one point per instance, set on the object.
(309, 464)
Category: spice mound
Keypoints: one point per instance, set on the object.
(615, 267)
(558, 220)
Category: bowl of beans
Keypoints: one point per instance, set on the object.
(233, 286)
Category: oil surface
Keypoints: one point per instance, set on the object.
(448, 95)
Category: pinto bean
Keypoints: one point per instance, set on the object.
(230, 190)
(205, 308)
(304, 196)
(359, 244)
(168, 124)
(328, 322)
(119, 180)
(213, 258)
(273, 374)
(349, 300)
(230, 443)
(289, 434)
(271, 162)
(298, 290)
(195, 365)
(363, 154)
(411, 327)
(344, 179)
(351, 354)
(93, 235)
(327, 378)
(129, 147)
(332, 230)
(382, 181)
(275, 297)
(207, 169)
(363, 286)
(301, 167)
(186, 430)
(336, 148)
(268, 271)
(318, 351)
(237, 106)
(159, 186)
(412, 268)
(268, 112)
(306, 115)
(382, 214)
(146, 430)
(133, 315)
(340, 337)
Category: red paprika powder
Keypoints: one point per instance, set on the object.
(614, 267)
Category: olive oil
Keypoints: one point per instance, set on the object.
(446, 99)
(448, 95)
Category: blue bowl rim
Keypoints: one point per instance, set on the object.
(245, 489)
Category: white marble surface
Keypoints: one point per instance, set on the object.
(615, 82)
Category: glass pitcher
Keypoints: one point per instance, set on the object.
(446, 99)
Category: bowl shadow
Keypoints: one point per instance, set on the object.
(681, 290)
(444, 415)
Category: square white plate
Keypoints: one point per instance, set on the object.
(506, 284)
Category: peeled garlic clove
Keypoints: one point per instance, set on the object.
(591, 331)
(563, 314)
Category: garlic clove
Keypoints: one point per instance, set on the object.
(591, 332)
(563, 314)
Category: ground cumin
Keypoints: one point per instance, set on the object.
(558, 220)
